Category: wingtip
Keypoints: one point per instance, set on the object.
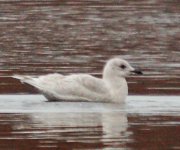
(18, 77)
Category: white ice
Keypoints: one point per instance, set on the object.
(140, 105)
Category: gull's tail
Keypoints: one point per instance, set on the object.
(29, 80)
(35, 82)
(23, 79)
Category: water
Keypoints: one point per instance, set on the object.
(145, 122)
(40, 37)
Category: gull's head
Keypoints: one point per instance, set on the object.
(118, 67)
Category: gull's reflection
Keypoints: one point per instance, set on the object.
(114, 124)
(106, 127)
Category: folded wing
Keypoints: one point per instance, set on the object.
(79, 87)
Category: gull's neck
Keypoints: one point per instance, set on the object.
(117, 86)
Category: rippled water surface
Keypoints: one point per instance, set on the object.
(47, 36)
(39, 37)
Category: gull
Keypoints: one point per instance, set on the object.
(112, 87)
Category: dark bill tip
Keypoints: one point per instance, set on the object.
(139, 72)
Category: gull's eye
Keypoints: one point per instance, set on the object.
(122, 66)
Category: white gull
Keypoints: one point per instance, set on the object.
(112, 87)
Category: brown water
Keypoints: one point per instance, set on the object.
(40, 37)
